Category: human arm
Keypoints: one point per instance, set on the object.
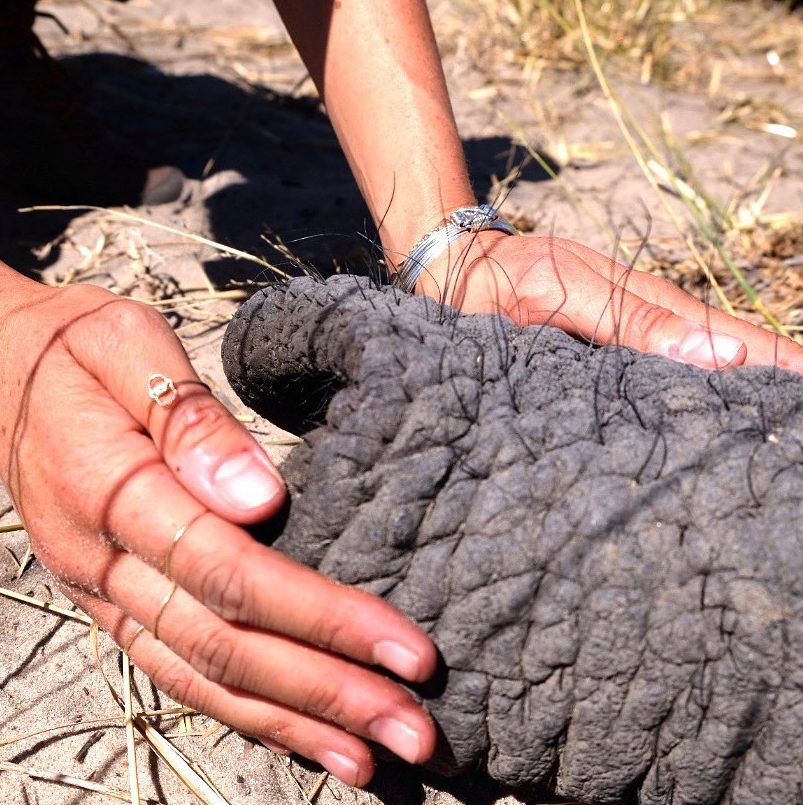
(103, 479)
(377, 67)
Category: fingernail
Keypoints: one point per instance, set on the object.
(279, 749)
(344, 768)
(397, 737)
(397, 658)
(705, 347)
(245, 481)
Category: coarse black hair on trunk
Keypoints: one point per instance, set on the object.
(604, 545)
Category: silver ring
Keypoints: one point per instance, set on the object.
(162, 390)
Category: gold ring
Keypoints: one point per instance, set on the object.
(162, 608)
(131, 640)
(176, 537)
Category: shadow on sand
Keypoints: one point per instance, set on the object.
(272, 164)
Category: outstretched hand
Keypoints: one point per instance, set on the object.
(547, 280)
(105, 479)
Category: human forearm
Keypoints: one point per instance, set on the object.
(377, 67)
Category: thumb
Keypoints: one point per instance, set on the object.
(132, 352)
(217, 460)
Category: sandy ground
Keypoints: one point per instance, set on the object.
(214, 87)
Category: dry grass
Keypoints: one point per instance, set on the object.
(706, 46)
(124, 215)
(771, 255)
(238, 51)
(677, 42)
(742, 58)
(535, 33)
(710, 221)
(728, 251)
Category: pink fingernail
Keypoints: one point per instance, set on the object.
(397, 658)
(397, 737)
(246, 481)
(707, 348)
(344, 768)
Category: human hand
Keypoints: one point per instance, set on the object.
(547, 280)
(103, 479)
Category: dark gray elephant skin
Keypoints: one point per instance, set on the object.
(605, 546)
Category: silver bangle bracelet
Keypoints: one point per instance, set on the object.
(464, 221)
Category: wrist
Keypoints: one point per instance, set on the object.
(408, 225)
(451, 270)
(450, 243)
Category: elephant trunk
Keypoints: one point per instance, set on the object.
(604, 545)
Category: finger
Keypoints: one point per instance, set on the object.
(562, 290)
(275, 667)
(240, 580)
(216, 459)
(763, 346)
(262, 664)
(342, 754)
(274, 746)
(633, 322)
(208, 451)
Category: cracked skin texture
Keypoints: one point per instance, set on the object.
(605, 545)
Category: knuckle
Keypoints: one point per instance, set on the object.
(324, 700)
(109, 320)
(87, 296)
(644, 321)
(212, 651)
(276, 728)
(181, 684)
(132, 318)
(198, 419)
(663, 291)
(222, 588)
(329, 631)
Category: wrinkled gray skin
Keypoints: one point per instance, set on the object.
(605, 546)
